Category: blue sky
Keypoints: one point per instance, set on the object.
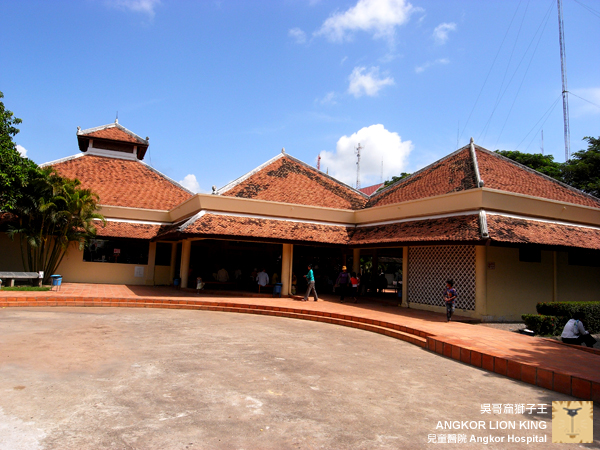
(221, 86)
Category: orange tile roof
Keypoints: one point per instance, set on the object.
(288, 180)
(127, 230)
(121, 182)
(450, 174)
(457, 228)
(115, 134)
(501, 173)
(229, 226)
(523, 231)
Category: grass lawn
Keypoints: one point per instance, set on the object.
(26, 288)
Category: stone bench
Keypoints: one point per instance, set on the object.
(8, 278)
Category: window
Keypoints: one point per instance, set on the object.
(122, 251)
(529, 254)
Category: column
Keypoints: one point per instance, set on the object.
(356, 260)
(186, 249)
(287, 258)
(151, 264)
(405, 277)
(480, 280)
(555, 277)
(173, 261)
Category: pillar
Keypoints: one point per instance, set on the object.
(481, 280)
(186, 249)
(173, 261)
(356, 260)
(287, 258)
(405, 277)
(151, 264)
(555, 277)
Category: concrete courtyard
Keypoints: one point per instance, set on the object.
(130, 378)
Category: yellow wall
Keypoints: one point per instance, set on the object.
(162, 276)
(514, 287)
(10, 254)
(577, 283)
(74, 270)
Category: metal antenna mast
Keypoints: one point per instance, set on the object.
(319, 163)
(358, 149)
(563, 71)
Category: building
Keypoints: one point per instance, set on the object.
(510, 237)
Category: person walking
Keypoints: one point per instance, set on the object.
(310, 280)
(355, 281)
(262, 279)
(449, 298)
(575, 333)
(342, 282)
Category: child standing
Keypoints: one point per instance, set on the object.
(449, 298)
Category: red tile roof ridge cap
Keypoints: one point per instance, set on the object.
(61, 160)
(543, 175)
(115, 124)
(244, 177)
(397, 183)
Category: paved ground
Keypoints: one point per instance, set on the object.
(121, 378)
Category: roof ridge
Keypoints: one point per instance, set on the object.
(166, 177)
(397, 183)
(326, 175)
(61, 160)
(247, 175)
(115, 124)
(535, 172)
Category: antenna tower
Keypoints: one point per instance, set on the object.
(319, 163)
(563, 71)
(358, 149)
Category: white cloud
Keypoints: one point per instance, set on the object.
(440, 34)
(141, 6)
(378, 145)
(22, 150)
(369, 83)
(329, 99)
(378, 17)
(189, 182)
(428, 64)
(298, 35)
(579, 108)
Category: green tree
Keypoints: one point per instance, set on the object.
(541, 163)
(16, 172)
(49, 212)
(395, 179)
(582, 171)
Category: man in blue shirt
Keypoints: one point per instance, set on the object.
(449, 298)
(310, 279)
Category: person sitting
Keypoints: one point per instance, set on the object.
(575, 333)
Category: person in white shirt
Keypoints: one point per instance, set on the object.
(262, 278)
(575, 333)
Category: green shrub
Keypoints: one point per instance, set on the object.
(565, 311)
(539, 324)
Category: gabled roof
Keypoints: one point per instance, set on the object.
(505, 174)
(114, 132)
(121, 182)
(453, 173)
(369, 190)
(288, 180)
(471, 167)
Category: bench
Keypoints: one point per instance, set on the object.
(12, 276)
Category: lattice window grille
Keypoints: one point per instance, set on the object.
(430, 267)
